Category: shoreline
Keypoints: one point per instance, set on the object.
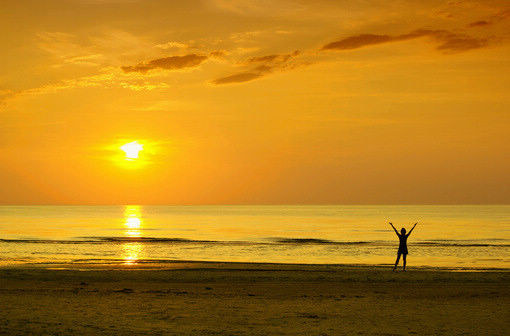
(210, 298)
(190, 264)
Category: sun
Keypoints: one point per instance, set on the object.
(132, 149)
(132, 154)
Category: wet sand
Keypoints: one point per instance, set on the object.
(253, 299)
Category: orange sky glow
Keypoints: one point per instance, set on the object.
(255, 102)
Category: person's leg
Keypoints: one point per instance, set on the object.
(396, 261)
(404, 257)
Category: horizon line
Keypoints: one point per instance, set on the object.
(257, 204)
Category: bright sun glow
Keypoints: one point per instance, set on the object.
(132, 149)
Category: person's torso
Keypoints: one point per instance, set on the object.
(403, 240)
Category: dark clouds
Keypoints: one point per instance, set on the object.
(265, 65)
(446, 40)
(267, 58)
(257, 67)
(273, 58)
(168, 63)
(358, 41)
(238, 78)
(481, 23)
(453, 42)
(502, 15)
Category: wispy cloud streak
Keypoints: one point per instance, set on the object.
(260, 66)
(446, 40)
(167, 63)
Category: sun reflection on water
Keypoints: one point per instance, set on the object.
(133, 222)
(131, 252)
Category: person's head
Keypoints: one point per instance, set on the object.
(403, 231)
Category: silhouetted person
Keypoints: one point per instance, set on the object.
(402, 248)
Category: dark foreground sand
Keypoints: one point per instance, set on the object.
(253, 299)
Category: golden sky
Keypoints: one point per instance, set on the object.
(255, 102)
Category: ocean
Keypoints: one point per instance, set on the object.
(461, 237)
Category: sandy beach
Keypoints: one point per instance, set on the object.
(194, 298)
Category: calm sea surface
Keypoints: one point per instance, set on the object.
(450, 236)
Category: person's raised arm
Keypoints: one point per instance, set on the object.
(398, 234)
(412, 229)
